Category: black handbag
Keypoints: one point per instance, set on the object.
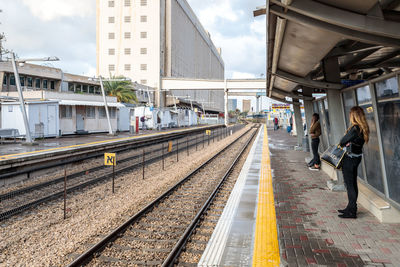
(334, 156)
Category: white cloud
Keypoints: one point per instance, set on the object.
(221, 9)
(242, 75)
(48, 10)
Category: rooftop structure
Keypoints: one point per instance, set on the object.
(147, 40)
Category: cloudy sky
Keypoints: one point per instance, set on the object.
(67, 29)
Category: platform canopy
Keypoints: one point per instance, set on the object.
(309, 40)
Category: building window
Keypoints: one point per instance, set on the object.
(97, 90)
(12, 79)
(127, 19)
(29, 81)
(52, 85)
(102, 113)
(111, 67)
(143, 35)
(111, 35)
(5, 79)
(10, 108)
(71, 87)
(91, 89)
(143, 66)
(45, 84)
(90, 112)
(143, 18)
(66, 112)
(111, 3)
(143, 2)
(37, 83)
(127, 67)
(112, 113)
(85, 89)
(143, 81)
(111, 51)
(127, 35)
(78, 88)
(127, 51)
(127, 3)
(143, 51)
(111, 19)
(22, 80)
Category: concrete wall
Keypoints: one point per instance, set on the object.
(192, 54)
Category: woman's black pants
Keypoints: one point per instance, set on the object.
(349, 169)
(314, 147)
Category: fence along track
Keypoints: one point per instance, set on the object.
(149, 236)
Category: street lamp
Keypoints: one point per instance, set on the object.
(100, 79)
(14, 61)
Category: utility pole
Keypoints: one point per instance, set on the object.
(110, 131)
(21, 100)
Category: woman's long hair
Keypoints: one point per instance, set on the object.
(357, 117)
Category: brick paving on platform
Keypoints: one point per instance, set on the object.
(310, 232)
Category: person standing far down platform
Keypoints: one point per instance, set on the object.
(353, 141)
(276, 123)
(315, 132)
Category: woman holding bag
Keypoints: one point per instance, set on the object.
(353, 141)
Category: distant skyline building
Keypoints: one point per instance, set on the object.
(232, 104)
(146, 40)
(246, 105)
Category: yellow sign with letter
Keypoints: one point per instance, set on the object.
(110, 159)
(208, 132)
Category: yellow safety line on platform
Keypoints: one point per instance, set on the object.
(266, 247)
(11, 156)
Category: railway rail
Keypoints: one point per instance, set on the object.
(17, 201)
(157, 234)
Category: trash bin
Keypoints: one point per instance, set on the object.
(306, 146)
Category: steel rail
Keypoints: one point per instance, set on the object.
(22, 208)
(176, 251)
(29, 189)
(98, 152)
(95, 249)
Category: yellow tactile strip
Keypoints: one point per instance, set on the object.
(266, 246)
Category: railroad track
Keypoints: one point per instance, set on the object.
(18, 201)
(157, 234)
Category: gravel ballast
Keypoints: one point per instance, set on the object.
(42, 238)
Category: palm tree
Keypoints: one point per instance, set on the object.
(122, 89)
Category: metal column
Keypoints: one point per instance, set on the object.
(226, 104)
(299, 123)
(110, 131)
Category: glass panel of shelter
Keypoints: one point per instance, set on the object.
(349, 101)
(389, 122)
(324, 128)
(371, 150)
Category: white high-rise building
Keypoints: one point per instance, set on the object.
(149, 39)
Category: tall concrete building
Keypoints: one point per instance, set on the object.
(149, 39)
(232, 104)
(246, 105)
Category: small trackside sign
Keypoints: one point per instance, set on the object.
(110, 159)
(208, 132)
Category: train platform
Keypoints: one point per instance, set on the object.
(49, 146)
(282, 214)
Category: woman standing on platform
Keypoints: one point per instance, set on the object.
(315, 132)
(353, 141)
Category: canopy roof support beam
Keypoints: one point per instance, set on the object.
(307, 82)
(346, 32)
